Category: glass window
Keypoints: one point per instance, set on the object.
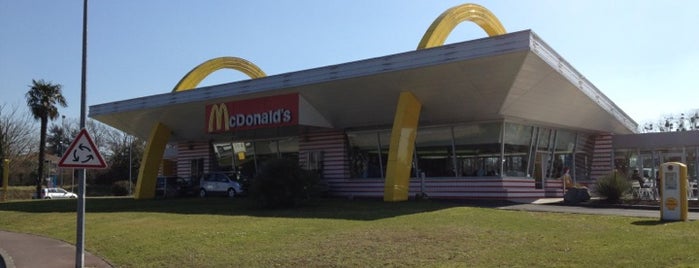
(563, 154)
(625, 161)
(478, 149)
(691, 163)
(366, 160)
(518, 140)
(545, 139)
(288, 148)
(245, 156)
(433, 148)
(565, 141)
(671, 155)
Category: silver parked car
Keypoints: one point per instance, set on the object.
(219, 183)
(56, 193)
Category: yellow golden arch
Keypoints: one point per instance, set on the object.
(445, 23)
(196, 75)
(405, 122)
(160, 134)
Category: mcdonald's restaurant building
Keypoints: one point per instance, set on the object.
(500, 117)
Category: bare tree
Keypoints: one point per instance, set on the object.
(17, 138)
(121, 151)
(674, 122)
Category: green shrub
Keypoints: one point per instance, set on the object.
(282, 183)
(19, 192)
(120, 188)
(613, 186)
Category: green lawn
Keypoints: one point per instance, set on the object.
(216, 232)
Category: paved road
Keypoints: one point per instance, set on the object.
(25, 250)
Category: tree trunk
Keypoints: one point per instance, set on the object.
(42, 149)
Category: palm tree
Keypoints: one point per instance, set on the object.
(42, 98)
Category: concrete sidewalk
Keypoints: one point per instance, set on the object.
(550, 205)
(26, 250)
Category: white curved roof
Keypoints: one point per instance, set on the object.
(514, 76)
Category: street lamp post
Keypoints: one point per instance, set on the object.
(60, 144)
(80, 229)
(130, 164)
(60, 152)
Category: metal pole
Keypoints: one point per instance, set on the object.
(60, 170)
(130, 165)
(5, 177)
(80, 240)
(62, 149)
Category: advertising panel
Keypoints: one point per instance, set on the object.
(673, 189)
(266, 112)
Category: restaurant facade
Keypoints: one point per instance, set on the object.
(501, 117)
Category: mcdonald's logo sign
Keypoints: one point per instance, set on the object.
(264, 112)
(218, 117)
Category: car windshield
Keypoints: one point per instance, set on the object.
(221, 177)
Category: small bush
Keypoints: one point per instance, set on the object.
(613, 186)
(120, 188)
(282, 183)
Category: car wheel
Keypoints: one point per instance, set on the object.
(231, 192)
(48, 197)
(202, 193)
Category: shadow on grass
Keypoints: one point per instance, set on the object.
(330, 208)
(653, 222)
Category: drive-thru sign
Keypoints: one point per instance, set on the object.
(82, 153)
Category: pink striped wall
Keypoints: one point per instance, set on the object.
(515, 189)
(602, 157)
(332, 145)
(187, 151)
(554, 188)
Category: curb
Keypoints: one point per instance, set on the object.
(6, 260)
(618, 206)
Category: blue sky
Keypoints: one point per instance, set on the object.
(642, 54)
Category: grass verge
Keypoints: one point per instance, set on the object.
(216, 232)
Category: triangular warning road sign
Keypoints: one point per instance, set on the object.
(82, 153)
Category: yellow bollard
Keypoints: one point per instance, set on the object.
(5, 178)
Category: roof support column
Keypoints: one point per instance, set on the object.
(400, 151)
(150, 163)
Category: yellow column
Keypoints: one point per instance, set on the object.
(152, 156)
(400, 152)
(5, 177)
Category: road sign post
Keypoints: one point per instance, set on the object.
(82, 154)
